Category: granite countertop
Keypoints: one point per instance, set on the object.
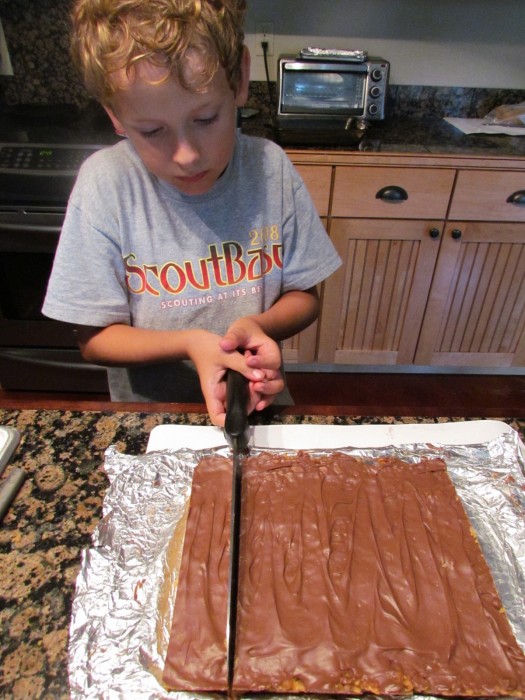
(55, 514)
(419, 135)
(426, 135)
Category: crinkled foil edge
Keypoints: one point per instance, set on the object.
(121, 615)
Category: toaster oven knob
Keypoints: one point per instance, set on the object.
(375, 91)
(376, 74)
(373, 109)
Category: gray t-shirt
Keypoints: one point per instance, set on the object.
(135, 250)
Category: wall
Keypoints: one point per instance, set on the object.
(466, 43)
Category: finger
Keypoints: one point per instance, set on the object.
(216, 411)
(233, 340)
(264, 403)
(272, 382)
(214, 392)
(269, 387)
(265, 358)
(238, 362)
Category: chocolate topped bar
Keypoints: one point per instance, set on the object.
(355, 576)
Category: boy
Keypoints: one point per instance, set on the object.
(187, 249)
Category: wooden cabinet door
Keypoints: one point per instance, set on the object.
(300, 348)
(476, 310)
(373, 305)
(318, 180)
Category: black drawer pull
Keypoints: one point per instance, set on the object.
(517, 198)
(434, 233)
(392, 193)
(456, 234)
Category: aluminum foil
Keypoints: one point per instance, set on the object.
(124, 596)
(351, 55)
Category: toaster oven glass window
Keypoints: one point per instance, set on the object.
(314, 92)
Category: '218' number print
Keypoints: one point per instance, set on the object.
(261, 236)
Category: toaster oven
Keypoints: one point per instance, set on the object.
(330, 91)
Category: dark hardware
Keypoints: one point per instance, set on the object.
(456, 234)
(236, 431)
(517, 198)
(434, 233)
(392, 193)
(237, 397)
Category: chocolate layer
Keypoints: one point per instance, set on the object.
(196, 658)
(355, 577)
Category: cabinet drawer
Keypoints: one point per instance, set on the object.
(483, 195)
(317, 179)
(357, 192)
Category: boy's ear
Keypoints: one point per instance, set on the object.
(115, 121)
(244, 83)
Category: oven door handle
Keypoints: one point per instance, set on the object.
(29, 228)
(35, 359)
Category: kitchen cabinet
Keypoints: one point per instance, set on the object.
(433, 251)
(318, 179)
(374, 304)
(386, 224)
(476, 308)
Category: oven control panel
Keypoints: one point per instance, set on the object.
(41, 158)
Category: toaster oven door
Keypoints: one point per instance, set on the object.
(322, 89)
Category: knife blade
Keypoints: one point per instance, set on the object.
(236, 431)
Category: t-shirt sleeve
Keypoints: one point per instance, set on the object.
(87, 284)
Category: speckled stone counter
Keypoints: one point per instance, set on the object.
(415, 133)
(53, 517)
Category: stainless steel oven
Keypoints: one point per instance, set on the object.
(36, 353)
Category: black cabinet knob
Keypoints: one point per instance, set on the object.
(456, 234)
(392, 193)
(517, 198)
(434, 233)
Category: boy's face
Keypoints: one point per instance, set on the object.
(184, 138)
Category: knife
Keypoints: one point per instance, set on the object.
(236, 432)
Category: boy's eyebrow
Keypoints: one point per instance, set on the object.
(144, 121)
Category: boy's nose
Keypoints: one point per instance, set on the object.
(184, 153)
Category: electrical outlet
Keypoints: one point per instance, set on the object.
(5, 62)
(264, 32)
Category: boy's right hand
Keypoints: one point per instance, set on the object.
(212, 363)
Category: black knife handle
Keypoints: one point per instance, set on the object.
(236, 404)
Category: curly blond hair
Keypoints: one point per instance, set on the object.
(113, 35)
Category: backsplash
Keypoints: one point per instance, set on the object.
(37, 35)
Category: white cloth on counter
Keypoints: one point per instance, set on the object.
(478, 126)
